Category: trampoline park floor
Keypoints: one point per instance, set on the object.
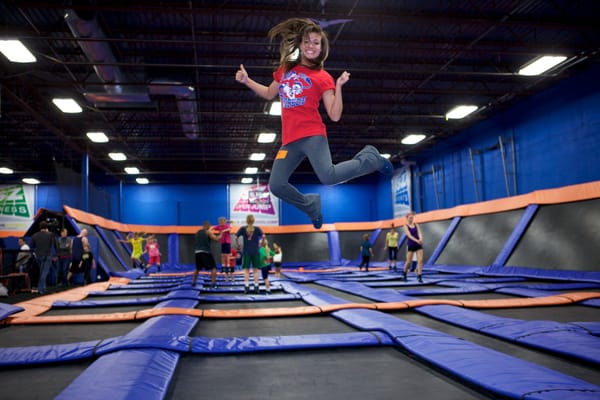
(290, 345)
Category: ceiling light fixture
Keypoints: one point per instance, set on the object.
(266, 137)
(386, 155)
(16, 51)
(97, 137)
(31, 181)
(413, 138)
(6, 171)
(246, 180)
(68, 106)
(460, 111)
(132, 170)
(251, 170)
(275, 108)
(541, 65)
(257, 156)
(117, 156)
(142, 181)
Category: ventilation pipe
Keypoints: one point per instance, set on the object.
(84, 26)
(98, 52)
(186, 104)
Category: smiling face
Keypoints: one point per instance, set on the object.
(310, 48)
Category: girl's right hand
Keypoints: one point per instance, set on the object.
(241, 75)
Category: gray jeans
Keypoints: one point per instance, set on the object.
(316, 148)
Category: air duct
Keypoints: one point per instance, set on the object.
(101, 56)
(186, 104)
(98, 52)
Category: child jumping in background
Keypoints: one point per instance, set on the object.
(153, 250)
(366, 250)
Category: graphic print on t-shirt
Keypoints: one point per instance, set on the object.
(292, 87)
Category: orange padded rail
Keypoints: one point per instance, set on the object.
(561, 299)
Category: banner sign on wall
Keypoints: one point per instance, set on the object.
(401, 189)
(256, 200)
(16, 207)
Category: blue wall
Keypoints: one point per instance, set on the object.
(556, 137)
(192, 204)
(556, 141)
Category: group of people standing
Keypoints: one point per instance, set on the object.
(414, 247)
(252, 246)
(73, 256)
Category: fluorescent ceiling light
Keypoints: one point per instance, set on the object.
(275, 108)
(142, 181)
(266, 137)
(68, 106)
(31, 181)
(541, 65)
(246, 180)
(97, 137)
(251, 170)
(117, 156)
(257, 156)
(460, 112)
(413, 138)
(295, 54)
(6, 171)
(132, 170)
(16, 51)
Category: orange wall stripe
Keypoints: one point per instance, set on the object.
(565, 298)
(566, 194)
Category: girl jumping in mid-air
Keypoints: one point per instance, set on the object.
(302, 83)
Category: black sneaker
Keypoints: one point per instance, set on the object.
(257, 290)
(318, 222)
(315, 211)
(267, 292)
(246, 290)
(404, 276)
(419, 278)
(370, 156)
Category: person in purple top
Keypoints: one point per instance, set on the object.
(414, 244)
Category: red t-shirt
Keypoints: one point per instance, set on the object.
(300, 92)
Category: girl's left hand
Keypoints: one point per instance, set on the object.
(344, 77)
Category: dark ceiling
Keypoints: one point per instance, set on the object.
(169, 101)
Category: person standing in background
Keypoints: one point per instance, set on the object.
(76, 252)
(65, 246)
(203, 253)
(153, 251)
(43, 243)
(224, 229)
(266, 258)
(23, 257)
(414, 245)
(391, 239)
(251, 236)
(366, 251)
(277, 258)
(87, 264)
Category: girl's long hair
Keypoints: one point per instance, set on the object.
(292, 32)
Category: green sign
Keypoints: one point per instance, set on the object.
(13, 202)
